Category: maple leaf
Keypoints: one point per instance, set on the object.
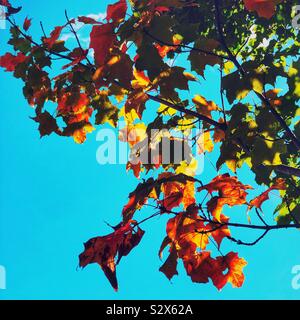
(184, 230)
(231, 192)
(136, 101)
(217, 232)
(136, 168)
(77, 55)
(259, 200)
(27, 23)
(169, 268)
(79, 135)
(10, 62)
(219, 135)
(176, 192)
(54, 35)
(133, 133)
(74, 107)
(139, 197)
(205, 143)
(47, 124)
(201, 267)
(108, 250)
(234, 266)
(102, 38)
(117, 11)
(264, 8)
(203, 106)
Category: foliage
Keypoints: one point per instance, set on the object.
(136, 64)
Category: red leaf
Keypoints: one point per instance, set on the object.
(47, 123)
(77, 55)
(107, 251)
(264, 8)
(169, 268)
(27, 23)
(5, 3)
(102, 39)
(10, 61)
(87, 20)
(54, 35)
(116, 11)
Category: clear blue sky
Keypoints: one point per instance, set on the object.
(54, 196)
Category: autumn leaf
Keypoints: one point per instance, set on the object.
(175, 192)
(205, 143)
(264, 8)
(79, 135)
(27, 23)
(87, 20)
(230, 192)
(47, 123)
(102, 38)
(54, 35)
(234, 266)
(116, 11)
(10, 62)
(203, 106)
(219, 232)
(169, 268)
(257, 202)
(107, 251)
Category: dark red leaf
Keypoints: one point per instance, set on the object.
(47, 123)
(102, 39)
(117, 11)
(27, 24)
(9, 61)
(53, 36)
(87, 20)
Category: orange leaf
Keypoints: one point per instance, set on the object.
(234, 275)
(107, 251)
(231, 192)
(259, 200)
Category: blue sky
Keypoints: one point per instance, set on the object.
(54, 196)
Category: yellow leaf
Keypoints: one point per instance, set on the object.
(188, 168)
(231, 164)
(205, 143)
(165, 110)
(257, 85)
(190, 76)
(228, 66)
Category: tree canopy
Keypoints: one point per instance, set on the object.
(148, 57)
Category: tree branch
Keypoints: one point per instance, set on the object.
(195, 114)
(287, 170)
(184, 46)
